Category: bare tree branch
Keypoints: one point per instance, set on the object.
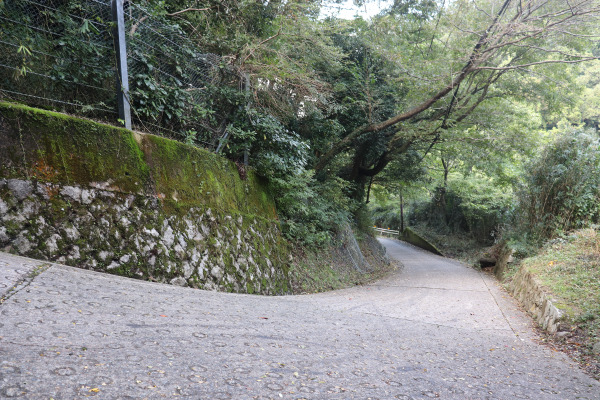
(467, 68)
(510, 67)
(189, 10)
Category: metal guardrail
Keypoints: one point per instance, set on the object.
(384, 231)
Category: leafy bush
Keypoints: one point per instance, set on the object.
(276, 150)
(562, 188)
(56, 51)
(387, 216)
(484, 205)
(311, 211)
(473, 204)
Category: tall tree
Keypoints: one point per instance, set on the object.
(458, 58)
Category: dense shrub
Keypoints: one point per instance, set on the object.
(561, 190)
(473, 205)
(311, 212)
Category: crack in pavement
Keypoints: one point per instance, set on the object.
(24, 282)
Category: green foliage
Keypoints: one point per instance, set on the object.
(277, 152)
(587, 110)
(471, 204)
(226, 26)
(318, 129)
(363, 220)
(70, 65)
(480, 216)
(561, 190)
(185, 93)
(569, 268)
(483, 203)
(312, 211)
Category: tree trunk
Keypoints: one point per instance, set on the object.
(401, 214)
(369, 190)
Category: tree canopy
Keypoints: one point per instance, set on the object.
(457, 58)
(470, 83)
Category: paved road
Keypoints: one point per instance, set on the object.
(435, 329)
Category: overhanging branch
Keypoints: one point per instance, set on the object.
(467, 68)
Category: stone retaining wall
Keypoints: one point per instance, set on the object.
(528, 291)
(102, 198)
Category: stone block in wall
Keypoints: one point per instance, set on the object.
(528, 291)
(139, 239)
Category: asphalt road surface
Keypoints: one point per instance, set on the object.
(434, 329)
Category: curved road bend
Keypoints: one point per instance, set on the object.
(435, 329)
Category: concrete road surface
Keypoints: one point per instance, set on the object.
(434, 329)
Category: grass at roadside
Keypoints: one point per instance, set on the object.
(569, 269)
(330, 269)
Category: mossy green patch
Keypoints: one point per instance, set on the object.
(191, 176)
(52, 147)
(57, 148)
(414, 238)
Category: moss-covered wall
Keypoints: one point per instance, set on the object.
(107, 199)
(412, 237)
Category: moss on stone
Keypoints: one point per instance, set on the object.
(57, 148)
(414, 238)
(185, 176)
(169, 181)
(52, 147)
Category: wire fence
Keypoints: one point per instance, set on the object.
(60, 55)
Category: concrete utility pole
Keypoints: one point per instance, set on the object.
(118, 18)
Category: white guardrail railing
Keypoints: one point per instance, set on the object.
(384, 231)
